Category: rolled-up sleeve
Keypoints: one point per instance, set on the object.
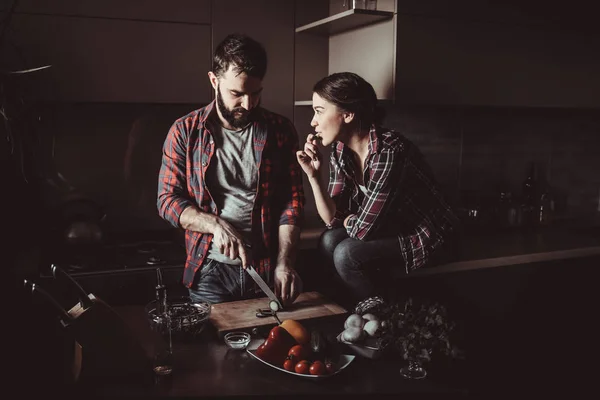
(173, 197)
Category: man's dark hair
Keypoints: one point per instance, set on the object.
(351, 93)
(243, 53)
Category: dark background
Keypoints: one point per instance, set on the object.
(483, 87)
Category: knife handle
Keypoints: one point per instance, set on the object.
(86, 302)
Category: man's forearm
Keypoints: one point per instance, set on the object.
(289, 237)
(198, 221)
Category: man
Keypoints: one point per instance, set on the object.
(229, 177)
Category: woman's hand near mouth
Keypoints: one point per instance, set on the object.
(310, 158)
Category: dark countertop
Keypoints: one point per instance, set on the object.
(206, 367)
(482, 247)
(487, 249)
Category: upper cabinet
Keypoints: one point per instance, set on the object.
(513, 54)
(111, 50)
(331, 37)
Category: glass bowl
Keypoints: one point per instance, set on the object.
(237, 340)
(188, 319)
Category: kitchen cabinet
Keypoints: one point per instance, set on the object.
(481, 62)
(111, 51)
(500, 54)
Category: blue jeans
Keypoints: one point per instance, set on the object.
(217, 282)
(363, 267)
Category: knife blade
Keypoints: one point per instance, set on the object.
(274, 303)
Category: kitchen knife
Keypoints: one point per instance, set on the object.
(274, 303)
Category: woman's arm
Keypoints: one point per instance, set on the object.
(310, 160)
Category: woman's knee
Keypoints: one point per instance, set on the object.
(330, 239)
(344, 255)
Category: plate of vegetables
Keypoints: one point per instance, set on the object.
(291, 349)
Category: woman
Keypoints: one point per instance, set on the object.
(384, 211)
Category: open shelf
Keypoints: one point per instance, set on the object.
(303, 103)
(309, 102)
(344, 21)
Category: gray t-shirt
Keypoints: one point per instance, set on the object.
(232, 178)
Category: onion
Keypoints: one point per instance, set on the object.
(372, 327)
(354, 320)
(353, 334)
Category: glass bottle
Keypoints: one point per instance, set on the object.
(506, 214)
(163, 356)
(546, 208)
(529, 204)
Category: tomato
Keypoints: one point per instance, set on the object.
(299, 352)
(288, 365)
(293, 358)
(303, 367)
(317, 368)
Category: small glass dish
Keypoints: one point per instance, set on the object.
(237, 340)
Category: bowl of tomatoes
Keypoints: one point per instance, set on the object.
(302, 359)
(309, 368)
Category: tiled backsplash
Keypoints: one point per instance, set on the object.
(476, 150)
(486, 150)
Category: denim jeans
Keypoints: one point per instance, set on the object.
(218, 282)
(363, 267)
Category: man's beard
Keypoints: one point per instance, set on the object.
(236, 121)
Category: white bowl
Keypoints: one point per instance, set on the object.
(237, 340)
(364, 349)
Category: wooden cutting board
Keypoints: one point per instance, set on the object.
(241, 315)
